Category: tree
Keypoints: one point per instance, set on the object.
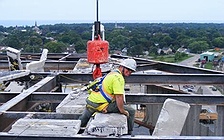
(135, 50)
(218, 42)
(144, 34)
(70, 37)
(55, 47)
(12, 41)
(198, 46)
(119, 42)
(167, 40)
(153, 50)
(178, 56)
(34, 40)
(80, 46)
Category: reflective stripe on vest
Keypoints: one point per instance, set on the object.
(105, 95)
(102, 91)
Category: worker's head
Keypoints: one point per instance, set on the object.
(128, 66)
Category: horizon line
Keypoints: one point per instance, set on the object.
(11, 23)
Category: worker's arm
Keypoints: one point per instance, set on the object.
(120, 104)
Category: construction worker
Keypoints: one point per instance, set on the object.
(110, 96)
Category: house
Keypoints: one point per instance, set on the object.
(118, 27)
(124, 51)
(165, 50)
(207, 56)
(183, 50)
(217, 49)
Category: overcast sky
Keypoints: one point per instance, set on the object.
(114, 10)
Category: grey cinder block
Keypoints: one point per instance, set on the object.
(45, 127)
(172, 118)
(111, 124)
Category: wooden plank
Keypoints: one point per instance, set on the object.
(146, 125)
(208, 116)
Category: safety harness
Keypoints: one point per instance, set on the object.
(97, 87)
(101, 108)
(105, 95)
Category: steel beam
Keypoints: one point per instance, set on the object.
(52, 65)
(176, 78)
(147, 64)
(43, 84)
(10, 75)
(175, 68)
(188, 98)
(53, 97)
(210, 79)
(6, 136)
(139, 98)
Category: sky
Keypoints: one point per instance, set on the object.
(151, 11)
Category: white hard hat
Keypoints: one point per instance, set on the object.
(129, 64)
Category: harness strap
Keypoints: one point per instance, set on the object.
(104, 94)
(101, 108)
(101, 90)
(108, 98)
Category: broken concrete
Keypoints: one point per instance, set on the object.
(73, 103)
(38, 66)
(45, 127)
(14, 87)
(14, 59)
(172, 118)
(111, 124)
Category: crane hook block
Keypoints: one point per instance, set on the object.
(97, 51)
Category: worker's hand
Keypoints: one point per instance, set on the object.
(126, 113)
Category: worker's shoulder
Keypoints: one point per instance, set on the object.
(114, 74)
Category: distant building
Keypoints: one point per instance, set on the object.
(183, 50)
(207, 56)
(117, 52)
(217, 49)
(71, 49)
(124, 51)
(165, 50)
(23, 30)
(36, 29)
(4, 33)
(49, 38)
(159, 51)
(146, 53)
(118, 27)
(3, 48)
